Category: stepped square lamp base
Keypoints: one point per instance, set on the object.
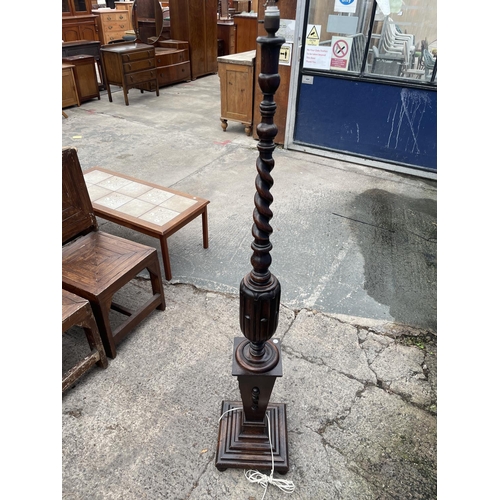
(245, 445)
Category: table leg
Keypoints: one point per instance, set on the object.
(165, 257)
(204, 222)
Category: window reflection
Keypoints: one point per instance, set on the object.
(387, 38)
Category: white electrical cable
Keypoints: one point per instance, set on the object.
(257, 477)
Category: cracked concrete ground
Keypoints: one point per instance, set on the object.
(360, 395)
(354, 249)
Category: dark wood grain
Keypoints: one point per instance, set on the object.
(95, 265)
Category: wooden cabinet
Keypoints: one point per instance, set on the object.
(196, 22)
(287, 11)
(78, 22)
(246, 32)
(112, 24)
(226, 31)
(85, 76)
(86, 47)
(129, 65)
(69, 91)
(236, 73)
(172, 62)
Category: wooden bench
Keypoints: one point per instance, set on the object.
(76, 311)
(145, 207)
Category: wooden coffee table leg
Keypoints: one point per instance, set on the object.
(166, 258)
(204, 221)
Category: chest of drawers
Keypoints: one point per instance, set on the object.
(172, 65)
(112, 24)
(130, 65)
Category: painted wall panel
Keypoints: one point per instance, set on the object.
(383, 122)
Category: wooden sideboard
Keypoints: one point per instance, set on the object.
(112, 24)
(78, 22)
(130, 65)
(236, 88)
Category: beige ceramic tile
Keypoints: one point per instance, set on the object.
(95, 176)
(159, 216)
(96, 192)
(114, 183)
(136, 208)
(178, 203)
(113, 200)
(156, 196)
(134, 189)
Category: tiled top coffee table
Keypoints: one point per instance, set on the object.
(145, 207)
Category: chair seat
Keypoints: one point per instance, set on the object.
(99, 260)
(99, 264)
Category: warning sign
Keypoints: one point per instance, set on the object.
(313, 34)
(341, 50)
(286, 54)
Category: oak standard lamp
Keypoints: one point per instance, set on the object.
(246, 425)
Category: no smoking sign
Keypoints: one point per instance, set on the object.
(341, 49)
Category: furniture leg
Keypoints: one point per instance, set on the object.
(64, 114)
(101, 313)
(109, 93)
(166, 257)
(96, 345)
(125, 94)
(204, 223)
(156, 284)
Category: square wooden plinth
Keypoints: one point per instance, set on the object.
(247, 446)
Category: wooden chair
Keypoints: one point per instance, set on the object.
(95, 264)
(76, 311)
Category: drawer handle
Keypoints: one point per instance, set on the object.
(109, 18)
(122, 26)
(121, 16)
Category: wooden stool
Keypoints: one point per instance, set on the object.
(77, 311)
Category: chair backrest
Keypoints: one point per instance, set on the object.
(429, 63)
(78, 216)
(357, 52)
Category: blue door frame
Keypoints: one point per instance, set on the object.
(374, 120)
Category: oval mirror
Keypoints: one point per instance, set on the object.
(147, 18)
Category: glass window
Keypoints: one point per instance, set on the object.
(387, 39)
(80, 6)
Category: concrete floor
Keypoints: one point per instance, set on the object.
(347, 239)
(355, 252)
